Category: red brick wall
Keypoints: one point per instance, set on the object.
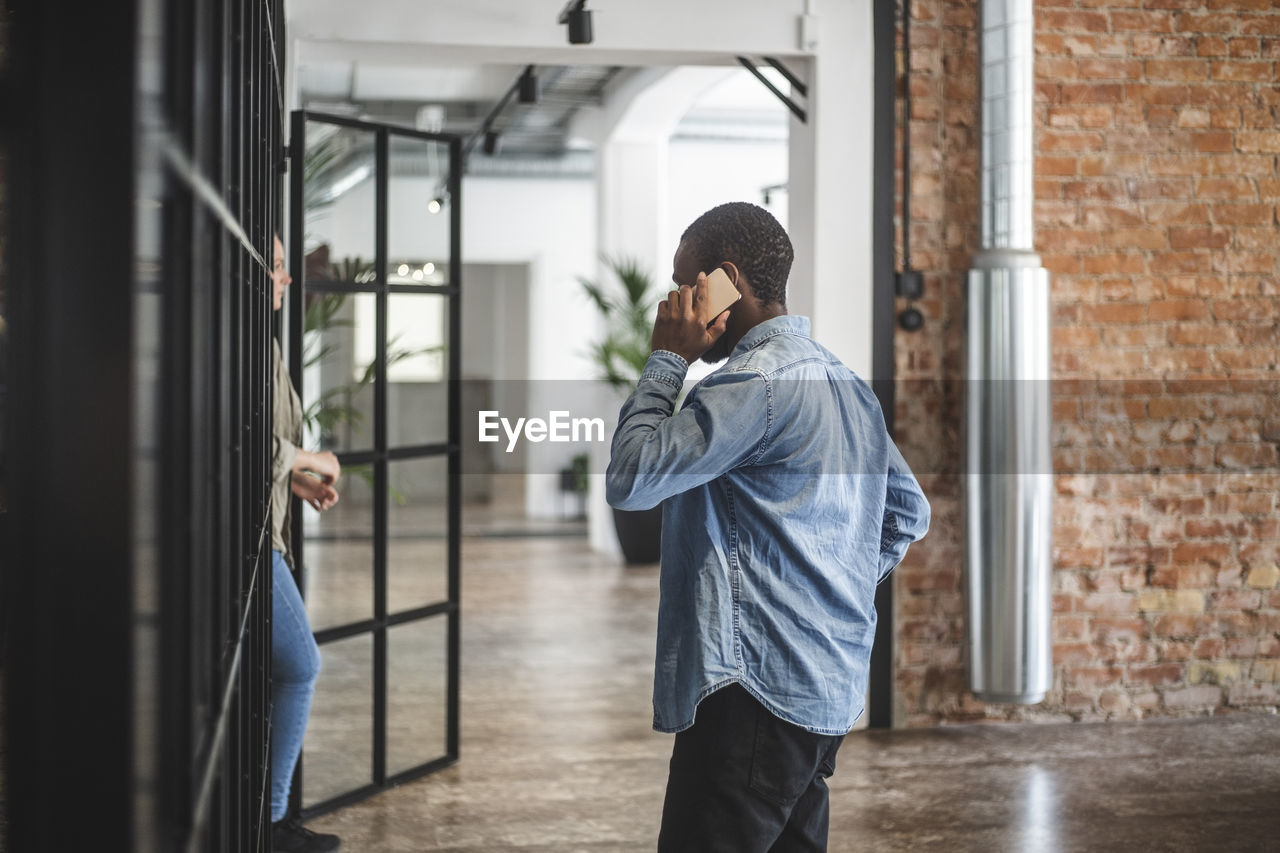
(1158, 134)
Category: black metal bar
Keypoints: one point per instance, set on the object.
(442, 289)
(454, 524)
(571, 6)
(419, 450)
(297, 321)
(365, 626)
(880, 705)
(185, 649)
(906, 133)
(497, 109)
(419, 613)
(301, 287)
(796, 110)
(796, 83)
(381, 474)
(422, 770)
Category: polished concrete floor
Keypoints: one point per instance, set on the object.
(557, 754)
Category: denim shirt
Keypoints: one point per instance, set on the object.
(785, 503)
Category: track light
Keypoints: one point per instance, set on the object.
(435, 205)
(578, 20)
(529, 86)
(491, 142)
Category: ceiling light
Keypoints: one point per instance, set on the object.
(417, 275)
(579, 21)
(428, 268)
(529, 86)
(403, 270)
(435, 204)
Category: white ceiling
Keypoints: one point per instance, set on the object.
(364, 81)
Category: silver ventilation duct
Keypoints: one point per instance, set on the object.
(1009, 467)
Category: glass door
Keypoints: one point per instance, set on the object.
(374, 324)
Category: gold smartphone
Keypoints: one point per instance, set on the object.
(721, 293)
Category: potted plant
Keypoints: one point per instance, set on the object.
(627, 312)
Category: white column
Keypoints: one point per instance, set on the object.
(830, 187)
(633, 134)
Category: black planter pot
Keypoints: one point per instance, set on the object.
(639, 534)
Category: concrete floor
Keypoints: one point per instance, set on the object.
(558, 755)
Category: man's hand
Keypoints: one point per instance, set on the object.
(315, 492)
(682, 324)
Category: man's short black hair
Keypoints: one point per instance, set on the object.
(749, 237)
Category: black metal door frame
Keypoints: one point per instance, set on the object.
(382, 453)
(883, 322)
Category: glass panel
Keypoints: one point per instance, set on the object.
(338, 374)
(338, 549)
(338, 196)
(417, 684)
(338, 750)
(417, 533)
(417, 369)
(418, 224)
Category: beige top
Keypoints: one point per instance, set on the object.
(286, 420)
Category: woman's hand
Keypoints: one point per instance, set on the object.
(316, 492)
(321, 463)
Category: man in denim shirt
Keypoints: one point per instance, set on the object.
(785, 503)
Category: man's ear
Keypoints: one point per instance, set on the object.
(731, 270)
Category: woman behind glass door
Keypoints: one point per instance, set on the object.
(295, 658)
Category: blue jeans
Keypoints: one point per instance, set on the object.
(295, 664)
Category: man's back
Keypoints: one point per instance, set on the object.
(772, 546)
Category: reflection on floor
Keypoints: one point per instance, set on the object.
(558, 755)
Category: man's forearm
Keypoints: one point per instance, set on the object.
(642, 414)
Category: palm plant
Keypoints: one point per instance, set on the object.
(621, 356)
(628, 316)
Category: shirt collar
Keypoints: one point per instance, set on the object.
(792, 324)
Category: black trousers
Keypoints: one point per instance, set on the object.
(744, 781)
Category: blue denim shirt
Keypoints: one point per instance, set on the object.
(786, 503)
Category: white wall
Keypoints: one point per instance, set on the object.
(705, 174)
(546, 225)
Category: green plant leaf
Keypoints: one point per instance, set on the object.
(627, 309)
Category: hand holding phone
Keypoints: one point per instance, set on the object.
(690, 320)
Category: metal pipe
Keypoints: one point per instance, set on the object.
(1009, 467)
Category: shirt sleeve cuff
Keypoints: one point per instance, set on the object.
(284, 455)
(667, 367)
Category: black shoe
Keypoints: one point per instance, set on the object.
(290, 836)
